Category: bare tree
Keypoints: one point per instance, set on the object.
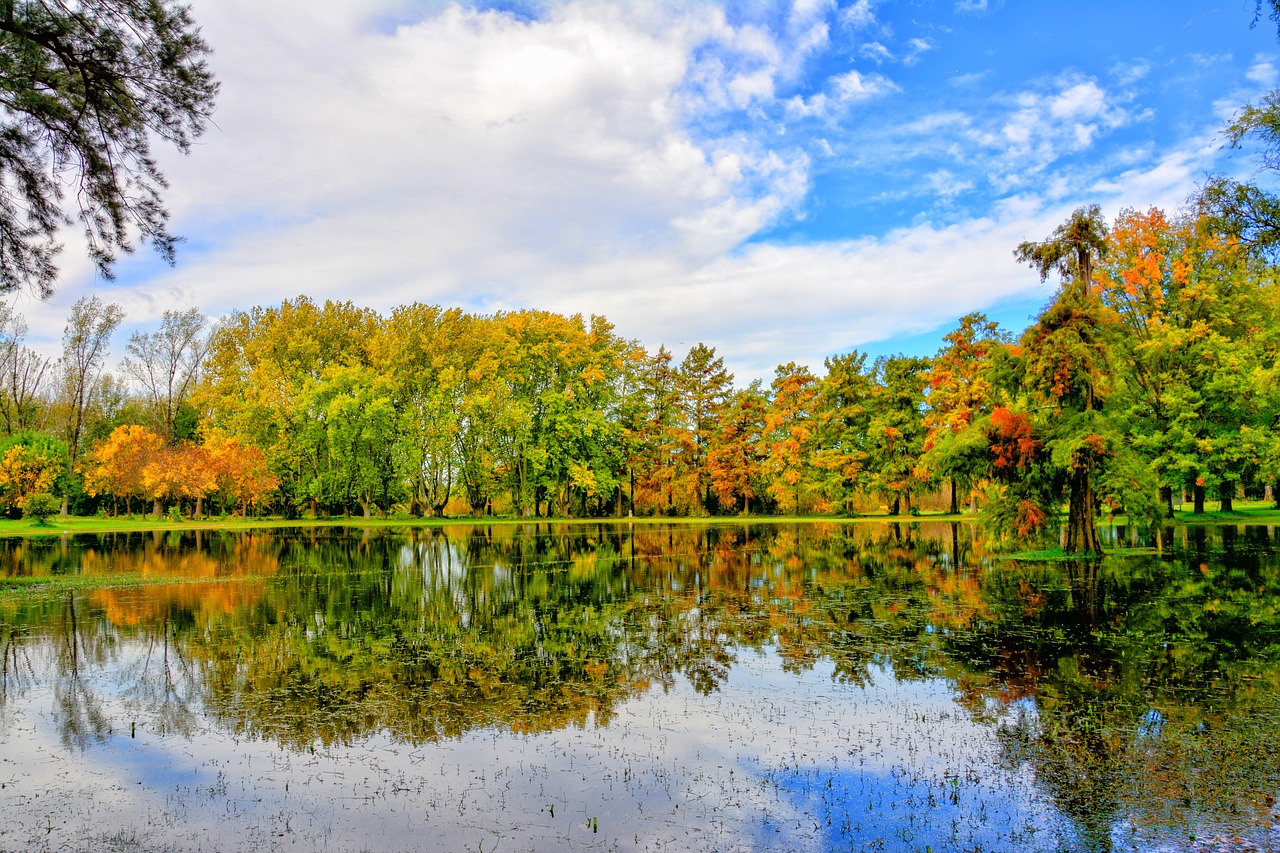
(167, 362)
(84, 350)
(22, 371)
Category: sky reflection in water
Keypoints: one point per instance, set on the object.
(720, 688)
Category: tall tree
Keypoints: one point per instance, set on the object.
(844, 419)
(167, 363)
(22, 372)
(1067, 357)
(960, 392)
(84, 350)
(1072, 250)
(86, 87)
(705, 386)
(789, 434)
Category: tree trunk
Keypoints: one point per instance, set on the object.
(954, 508)
(1225, 493)
(906, 504)
(1166, 498)
(896, 506)
(1082, 527)
(1197, 498)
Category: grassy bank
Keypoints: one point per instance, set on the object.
(1246, 512)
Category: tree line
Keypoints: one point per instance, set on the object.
(1152, 373)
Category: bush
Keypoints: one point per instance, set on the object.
(40, 506)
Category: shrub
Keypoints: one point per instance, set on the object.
(40, 506)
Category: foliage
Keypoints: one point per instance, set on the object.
(40, 506)
(88, 87)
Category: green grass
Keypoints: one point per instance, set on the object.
(1247, 512)
(69, 525)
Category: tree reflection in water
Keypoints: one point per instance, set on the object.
(1137, 692)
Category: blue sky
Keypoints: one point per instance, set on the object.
(783, 181)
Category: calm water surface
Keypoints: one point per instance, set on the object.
(649, 687)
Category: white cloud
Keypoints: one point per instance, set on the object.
(859, 16)
(842, 91)
(620, 159)
(1262, 72)
(876, 52)
(1128, 73)
(916, 48)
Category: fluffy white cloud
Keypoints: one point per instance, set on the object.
(626, 159)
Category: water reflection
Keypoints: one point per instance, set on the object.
(1133, 698)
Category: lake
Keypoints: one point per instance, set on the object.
(705, 686)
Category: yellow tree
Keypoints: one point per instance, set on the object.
(176, 473)
(116, 465)
(27, 470)
(240, 472)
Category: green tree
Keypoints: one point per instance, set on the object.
(705, 387)
(87, 88)
(40, 506)
(896, 432)
(261, 378)
(843, 414)
(1067, 362)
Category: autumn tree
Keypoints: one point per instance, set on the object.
(1067, 364)
(738, 450)
(960, 391)
(1199, 317)
(30, 463)
(790, 430)
(117, 466)
(241, 475)
(177, 473)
